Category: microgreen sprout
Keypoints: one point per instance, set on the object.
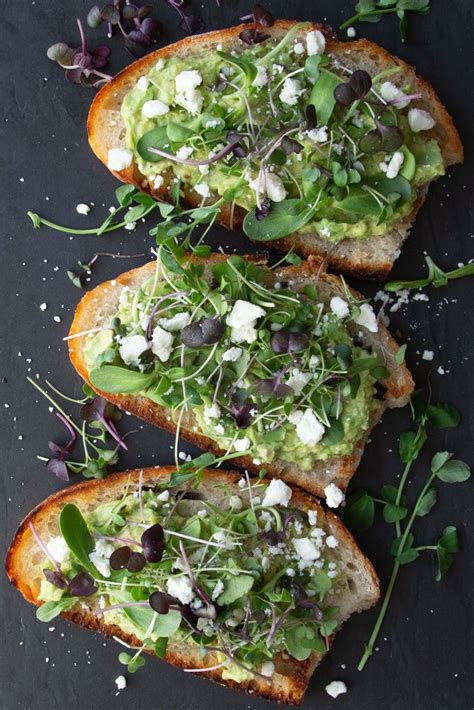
(138, 29)
(374, 10)
(85, 269)
(436, 277)
(81, 65)
(360, 508)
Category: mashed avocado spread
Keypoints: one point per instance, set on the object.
(267, 371)
(167, 567)
(345, 168)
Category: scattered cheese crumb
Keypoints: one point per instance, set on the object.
(121, 681)
(334, 496)
(82, 208)
(428, 355)
(335, 688)
(277, 493)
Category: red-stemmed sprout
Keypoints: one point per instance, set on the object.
(57, 465)
(195, 163)
(81, 64)
(98, 410)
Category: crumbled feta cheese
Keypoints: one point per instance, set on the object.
(298, 381)
(299, 48)
(242, 444)
(218, 589)
(158, 182)
(318, 135)
(335, 688)
(212, 123)
(339, 307)
(334, 495)
(242, 483)
(82, 208)
(100, 557)
(277, 493)
(184, 152)
(261, 78)
(315, 42)
(270, 184)
(175, 323)
(119, 159)
(131, 347)
(314, 362)
(291, 91)
(428, 355)
(331, 541)
(187, 94)
(390, 92)
(43, 306)
(181, 588)
(58, 549)
(154, 108)
(396, 162)
(309, 429)
(162, 343)
(367, 318)
(351, 33)
(212, 412)
(143, 83)
(267, 669)
(235, 502)
(242, 320)
(130, 226)
(232, 354)
(306, 549)
(121, 681)
(312, 517)
(420, 120)
(163, 497)
(160, 64)
(203, 189)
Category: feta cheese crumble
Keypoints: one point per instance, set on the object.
(339, 306)
(428, 355)
(267, 669)
(82, 208)
(175, 323)
(390, 92)
(143, 83)
(119, 159)
(277, 493)
(187, 94)
(58, 549)
(121, 681)
(309, 429)
(367, 318)
(242, 444)
(181, 588)
(315, 42)
(396, 162)
(420, 120)
(318, 135)
(232, 354)
(306, 549)
(162, 343)
(154, 108)
(291, 91)
(334, 496)
(131, 347)
(335, 688)
(203, 189)
(242, 320)
(270, 184)
(261, 78)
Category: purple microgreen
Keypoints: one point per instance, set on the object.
(120, 557)
(243, 414)
(285, 341)
(161, 602)
(81, 64)
(360, 83)
(304, 602)
(262, 16)
(382, 138)
(206, 331)
(289, 146)
(56, 578)
(344, 94)
(252, 35)
(153, 543)
(188, 22)
(134, 23)
(195, 163)
(311, 120)
(59, 468)
(263, 210)
(125, 605)
(82, 585)
(98, 410)
(57, 465)
(273, 387)
(136, 562)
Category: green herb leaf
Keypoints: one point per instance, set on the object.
(411, 444)
(359, 511)
(120, 380)
(400, 354)
(163, 625)
(426, 503)
(50, 610)
(160, 647)
(447, 546)
(156, 138)
(124, 194)
(248, 69)
(77, 536)
(235, 587)
(394, 513)
(443, 416)
(284, 218)
(453, 471)
(311, 66)
(301, 640)
(322, 96)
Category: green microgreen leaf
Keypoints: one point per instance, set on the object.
(50, 610)
(443, 416)
(359, 511)
(120, 380)
(447, 546)
(77, 536)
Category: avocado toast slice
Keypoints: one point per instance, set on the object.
(256, 130)
(249, 583)
(286, 369)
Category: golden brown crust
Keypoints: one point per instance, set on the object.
(339, 470)
(370, 258)
(282, 688)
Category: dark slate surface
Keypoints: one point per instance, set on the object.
(426, 644)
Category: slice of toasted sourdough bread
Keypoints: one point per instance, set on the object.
(357, 588)
(370, 257)
(99, 305)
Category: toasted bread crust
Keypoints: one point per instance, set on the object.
(91, 312)
(367, 258)
(281, 688)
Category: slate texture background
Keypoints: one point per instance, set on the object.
(425, 649)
